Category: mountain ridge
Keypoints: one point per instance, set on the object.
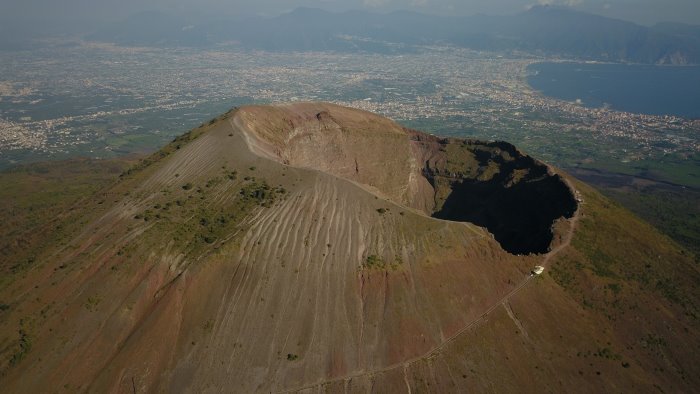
(543, 30)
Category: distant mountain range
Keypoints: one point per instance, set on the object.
(545, 30)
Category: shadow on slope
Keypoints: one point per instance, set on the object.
(495, 186)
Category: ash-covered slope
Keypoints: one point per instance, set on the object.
(292, 248)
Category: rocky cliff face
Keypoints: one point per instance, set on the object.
(358, 146)
(493, 185)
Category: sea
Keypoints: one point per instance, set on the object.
(644, 89)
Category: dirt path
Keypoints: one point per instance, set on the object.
(437, 349)
(569, 234)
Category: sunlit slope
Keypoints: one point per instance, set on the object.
(214, 255)
(250, 256)
(360, 146)
(617, 311)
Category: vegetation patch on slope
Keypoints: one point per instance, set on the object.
(674, 212)
(193, 221)
(35, 201)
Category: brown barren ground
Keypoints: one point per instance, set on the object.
(291, 248)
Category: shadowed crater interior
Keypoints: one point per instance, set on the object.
(494, 185)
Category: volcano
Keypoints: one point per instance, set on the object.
(309, 247)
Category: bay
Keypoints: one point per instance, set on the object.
(644, 89)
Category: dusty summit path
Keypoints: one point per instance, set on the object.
(405, 365)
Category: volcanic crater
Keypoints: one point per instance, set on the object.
(491, 184)
(494, 185)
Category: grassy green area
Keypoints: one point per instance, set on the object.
(672, 169)
(675, 212)
(191, 219)
(376, 262)
(36, 199)
(673, 209)
(618, 252)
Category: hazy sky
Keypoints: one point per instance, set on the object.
(640, 11)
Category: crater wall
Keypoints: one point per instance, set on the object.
(494, 185)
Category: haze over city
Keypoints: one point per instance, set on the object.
(364, 196)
